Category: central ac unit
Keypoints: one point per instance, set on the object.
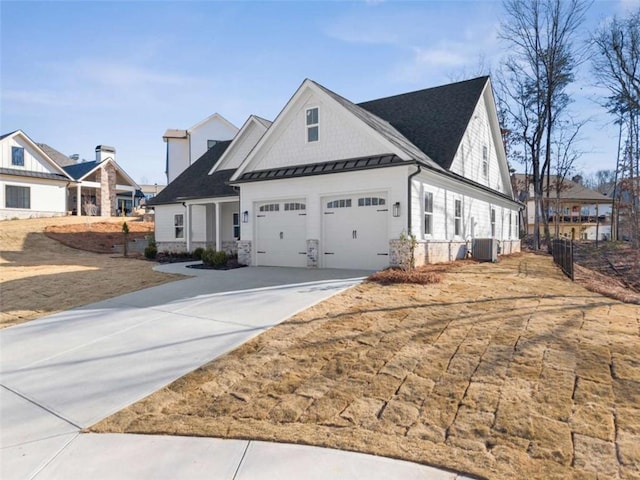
(485, 249)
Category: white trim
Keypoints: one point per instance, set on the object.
(217, 116)
(41, 152)
(276, 125)
(252, 120)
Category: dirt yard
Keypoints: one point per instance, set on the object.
(502, 371)
(39, 276)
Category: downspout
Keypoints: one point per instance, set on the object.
(166, 169)
(409, 179)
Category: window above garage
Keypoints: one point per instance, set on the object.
(313, 134)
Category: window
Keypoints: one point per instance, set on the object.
(17, 197)
(493, 222)
(294, 206)
(312, 125)
(428, 213)
(342, 203)
(236, 225)
(370, 201)
(178, 223)
(457, 218)
(485, 162)
(270, 207)
(211, 143)
(17, 156)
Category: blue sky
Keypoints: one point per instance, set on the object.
(78, 74)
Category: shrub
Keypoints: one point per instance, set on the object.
(214, 259)
(424, 275)
(151, 251)
(197, 253)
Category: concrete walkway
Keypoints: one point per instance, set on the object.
(65, 372)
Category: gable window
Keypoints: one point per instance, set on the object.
(493, 222)
(457, 218)
(312, 125)
(270, 207)
(17, 197)
(178, 225)
(236, 225)
(17, 156)
(485, 162)
(428, 213)
(370, 201)
(342, 203)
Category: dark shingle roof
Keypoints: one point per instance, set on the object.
(569, 189)
(435, 119)
(58, 157)
(32, 174)
(195, 182)
(7, 134)
(322, 168)
(79, 170)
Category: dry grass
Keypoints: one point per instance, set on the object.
(40, 276)
(98, 237)
(503, 371)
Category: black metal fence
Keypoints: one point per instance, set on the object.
(563, 255)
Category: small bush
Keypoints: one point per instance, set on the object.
(197, 253)
(151, 251)
(214, 259)
(207, 255)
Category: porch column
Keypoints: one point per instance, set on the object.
(218, 244)
(187, 227)
(133, 201)
(79, 200)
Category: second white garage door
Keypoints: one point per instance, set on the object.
(355, 231)
(281, 233)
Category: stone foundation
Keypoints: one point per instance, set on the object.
(313, 253)
(173, 247)
(244, 252)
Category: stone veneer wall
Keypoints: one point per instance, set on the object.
(106, 197)
(244, 252)
(313, 252)
(175, 247)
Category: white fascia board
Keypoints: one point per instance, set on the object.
(309, 84)
(117, 167)
(237, 140)
(497, 136)
(42, 153)
(216, 116)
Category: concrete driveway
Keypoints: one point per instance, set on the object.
(64, 372)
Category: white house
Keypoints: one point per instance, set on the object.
(332, 184)
(31, 183)
(184, 147)
(199, 208)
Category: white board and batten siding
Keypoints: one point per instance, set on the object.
(47, 198)
(164, 222)
(178, 155)
(213, 128)
(316, 191)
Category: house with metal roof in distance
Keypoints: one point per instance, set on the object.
(334, 184)
(199, 208)
(32, 184)
(575, 211)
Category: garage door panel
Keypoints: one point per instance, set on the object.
(355, 231)
(281, 238)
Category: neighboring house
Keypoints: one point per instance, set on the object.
(184, 147)
(199, 208)
(103, 188)
(32, 184)
(626, 204)
(575, 211)
(147, 192)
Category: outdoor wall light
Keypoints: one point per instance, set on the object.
(396, 209)
(245, 217)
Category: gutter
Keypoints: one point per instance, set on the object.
(409, 202)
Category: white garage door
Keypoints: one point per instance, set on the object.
(355, 231)
(281, 233)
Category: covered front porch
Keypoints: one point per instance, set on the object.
(212, 223)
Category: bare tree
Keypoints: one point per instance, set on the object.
(616, 66)
(541, 36)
